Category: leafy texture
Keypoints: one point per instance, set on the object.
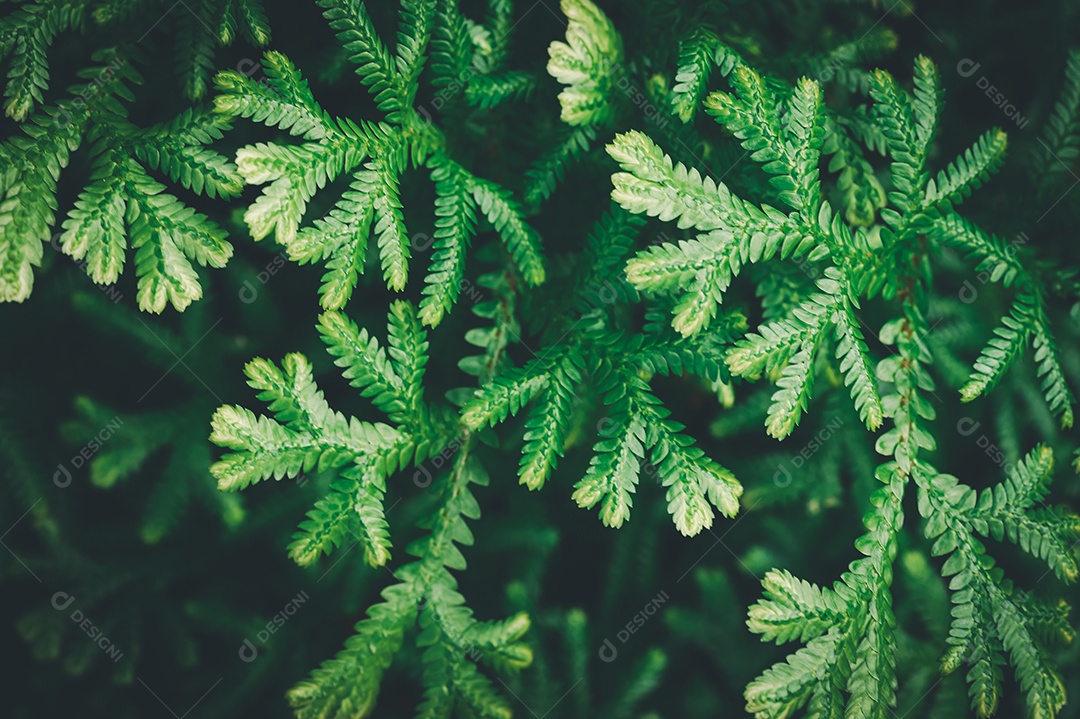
(774, 233)
(588, 63)
(306, 435)
(123, 206)
(372, 157)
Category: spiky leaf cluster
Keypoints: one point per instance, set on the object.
(372, 156)
(836, 213)
(637, 439)
(122, 206)
(847, 666)
(306, 436)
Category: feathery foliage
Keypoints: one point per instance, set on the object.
(374, 156)
(641, 231)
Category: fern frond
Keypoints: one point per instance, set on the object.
(703, 358)
(233, 14)
(895, 116)
(784, 688)
(283, 101)
(165, 275)
(375, 66)
(455, 225)
(705, 266)
(1001, 353)
(94, 230)
(522, 242)
(926, 104)
(413, 36)
(165, 234)
(505, 396)
(265, 448)
(253, 18)
(995, 256)
(494, 35)
(350, 681)
(294, 173)
(546, 426)
(379, 181)
(791, 347)
(1061, 135)
(351, 509)
(588, 63)
(796, 610)
(789, 150)
(694, 482)
(547, 172)
(793, 394)
(612, 475)
(448, 632)
(451, 47)
(1001, 262)
(488, 91)
(33, 163)
(195, 49)
(26, 35)
(407, 348)
(840, 64)
(651, 184)
(1055, 389)
(291, 394)
(863, 194)
(367, 365)
(987, 604)
(376, 154)
(854, 358)
(177, 149)
(699, 52)
(611, 239)
(769, 350)
(330, 523)
(968, 172)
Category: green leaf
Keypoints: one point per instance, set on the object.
(455, 225)
(969, 171)
(521, 240)
(1009, 341)
(699, 52)
(613, 473)
(375, 66)
(588, 63)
